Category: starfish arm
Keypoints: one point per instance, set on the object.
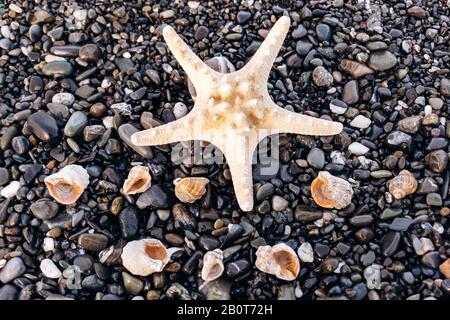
(189, 61)
(262, 61)
(285, 121)
(238, 150)
(179, 130)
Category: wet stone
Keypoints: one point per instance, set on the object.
(90, 53)
(44, 209)
(382, 60)
(129, 223)
(14, 268)
(93, 242)
(156, 196)
(125, 131)
(391, 242)
(43, 126)
(75, 124)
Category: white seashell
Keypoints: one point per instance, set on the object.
(279, 260)
(329, 191)
(138, 180)
(145, 256)
(67, 185)
(10, 190)
(212, 265)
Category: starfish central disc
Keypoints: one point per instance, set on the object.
(234, 111)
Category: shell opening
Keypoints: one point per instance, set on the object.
(320, 193)
(155, 252)
(285, 261)
(63, 190)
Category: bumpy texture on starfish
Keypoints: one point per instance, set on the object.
(234, 111)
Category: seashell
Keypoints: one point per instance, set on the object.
(138, 180)
(402, 185)
(67, 185)
(329, 191)
(212, 265)
(145, 256)
(190, 189)
(279, 260)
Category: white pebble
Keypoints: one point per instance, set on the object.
(106, 83)
(127, 55)
(10, 190)
(438, 227)
(15, 8)
(305, 252)
(360, 122)
(180, 110)
(372, 274)
(80, 14)
(49, 269)
(163, 215)
(358, 149)
(65, 98)
(337, 157)
(428, 110)
(51, 58)
(48, 244)
(108, 122)
(5, 31)
(298, 292)
(337, 109)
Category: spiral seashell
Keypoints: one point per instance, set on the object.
(212, 265)
(279, 260)
(145, 256)
(190, 189)
(67, 185)
(138, 180)
(329, 191)
(402, 185)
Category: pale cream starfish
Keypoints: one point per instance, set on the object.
(234, 111)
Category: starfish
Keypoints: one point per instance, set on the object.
(234, 111)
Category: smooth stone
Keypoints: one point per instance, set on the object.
(316, 158)
(360, 122)
(417, 12)
(390, 213)
(129, 223)
(390, 243)
(93, 283)
(354, 68)
(361, 220)
(323, 32)
(358, 149)
(157, 196)
(304, 213)
(436, 103)
(57, 68)
(338, 106)
(94, 242)
(49, 269)
(265, 191)
(4, 176)
(208, 243)
(437, 143)
(44, 209)
(396, 138)
(350, 93)
(8, 292)
(237, 268)
(10, 191)
(401, 224)
(125, 132)
(43, 126)
(243, 17)
(7, 137)
(431, 259)
(90, 53)
(299, 32)
(437, 160)
(305, 252)
(279, 203)
(303, 47)
(36, 84)
(93, 132)
(65, 51)
(76, 123)
(35, 33)
(20, 144)
(65, 98)
(13, 269)
(132, 284)
(364, 235)
(433, 199)
(201, 33)
(376, 45)
(382, 60)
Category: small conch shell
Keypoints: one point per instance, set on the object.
(145, 256)
(138, 180)
(402, 185)
(279, 260)
(190, 189)
(329, 191)
(212, 265)
(67, 185)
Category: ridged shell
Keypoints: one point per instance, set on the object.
(145, 256)
(67, 185)
(329, 191)
(190, 189)
(402, 185)
(138, 180)
(212, 265)
(279, 260)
